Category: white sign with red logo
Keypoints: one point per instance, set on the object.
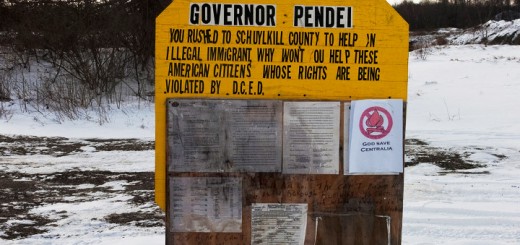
(376, 137)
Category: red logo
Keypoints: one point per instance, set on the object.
(376, 122)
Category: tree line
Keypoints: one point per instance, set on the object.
(428, 15)
(66, 25)
(90, 53)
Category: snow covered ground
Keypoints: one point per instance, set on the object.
(465, 98)
(462, 99)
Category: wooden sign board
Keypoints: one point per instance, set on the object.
(233, 77)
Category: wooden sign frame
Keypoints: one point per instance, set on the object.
(202, 58)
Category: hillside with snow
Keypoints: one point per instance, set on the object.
(490, 33)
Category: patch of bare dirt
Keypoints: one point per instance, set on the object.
(31, 145)
(121, 144)
(450, 160)
(22, 192)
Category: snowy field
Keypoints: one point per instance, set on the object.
(465, 98)
(463, 106)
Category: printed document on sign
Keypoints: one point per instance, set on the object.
(376, 137)
(224, 135)
(311, 137)
(278, 223)
(206, 204)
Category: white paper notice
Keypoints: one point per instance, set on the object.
(206, 204)
(224, 135)
(376, 137)
(311, 137)
(275, 223)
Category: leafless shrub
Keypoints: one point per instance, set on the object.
(422, 50)
(5, 111)
(63, 96)
(99, 70)
(5, 86)
(5, 93)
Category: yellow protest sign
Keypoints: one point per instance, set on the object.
(284, 50)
